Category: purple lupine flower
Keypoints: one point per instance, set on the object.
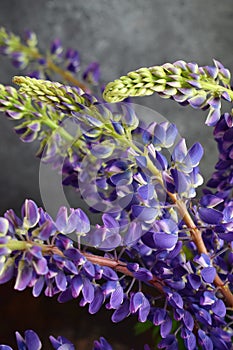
(31, 267)
(159, 316)
(162, 236)
(117, 297)
(143, 274)
(195, 95)
(188, 320)
(144, 214)
(133, 234)
(169, 342)
(204, 340)
(121, 312)
(30, 38)
(70, 274)
(4, 226)
(185, 160)
(208, 298)
(220, 338)
(77, 221)
(221, 179)
(92, 73)
(210, 215)
(19, 59)
(60, 343)
(161, 135)
(210, 200)
(28, 131)
(174, 299)
(219, 308)
(97, 301)
(139, 303)
(208, 272)
(166, 327)
(30, 213)
(106, 237)
(72, 60)
(190, 341)
(30, 341)
(185, 184)
(146, 347)
(102, 344)
(56, 47)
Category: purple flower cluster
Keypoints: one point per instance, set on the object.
(222, 178)
(10, 45)
(144, 222)
(70, 56)
(37, 251)
(155, 255)
(196, 93)
(186, 83)
(131, 176)
(92, 73)
(24, 54)
(31, 341)
(141, 181)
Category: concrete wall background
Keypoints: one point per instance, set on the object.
(122, 35)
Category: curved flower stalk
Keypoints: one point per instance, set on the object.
(31, 341)
(186, 83)
(25, 54)
(56, 93)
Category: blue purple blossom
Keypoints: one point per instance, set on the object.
(92, 73)
(31, 341)
(157, 254)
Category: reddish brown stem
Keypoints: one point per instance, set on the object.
(120, 267)
(67, 76)
(197, 239)
(116, 265)
(63, 73)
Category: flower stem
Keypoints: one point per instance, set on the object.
(216, 88)
(67, 76)
(120, 267)
(116, 265)
(36, 55)
(197, 239)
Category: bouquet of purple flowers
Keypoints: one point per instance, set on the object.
(158, 251)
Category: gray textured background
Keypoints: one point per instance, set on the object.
(122, 35)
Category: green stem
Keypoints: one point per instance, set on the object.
(216, 88)
(52, 125)
(210, 86)
(14, 244)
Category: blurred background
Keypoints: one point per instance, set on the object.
(122, 36)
